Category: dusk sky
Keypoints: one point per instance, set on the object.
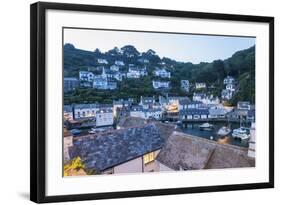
(181, 47)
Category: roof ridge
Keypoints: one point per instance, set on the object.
(209, 141)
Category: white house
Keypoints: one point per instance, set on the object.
(137, 111)
(135, 72)
(185, 85)
(104, 84)
(200, 85)
(231, 87)
(119, 63)
(114, 68)
(243, 105)
(153, 113)
(194, 114)
(210, 100)
(160, 84)
(226, 94)
(84, 111)
(104, 117)
(163, 73)
(143, 60)
(102, 61)
(195, 104)
(86, 76)
(217, 112)
(199, 96)
(147, 102)
(70, 84)
(228, 80)
(146, 113)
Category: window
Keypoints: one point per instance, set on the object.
(148, 158)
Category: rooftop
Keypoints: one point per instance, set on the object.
(70, 79)
(195, 111)
(105, 151)
(187, 152)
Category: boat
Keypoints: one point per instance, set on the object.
(206, 126)
(223, 131)
(92, 131)
(75, 131)
(241, 133)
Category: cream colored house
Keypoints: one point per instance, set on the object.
(144, 163)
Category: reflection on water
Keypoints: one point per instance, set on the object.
(193, 129)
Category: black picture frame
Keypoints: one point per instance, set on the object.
(38, 100)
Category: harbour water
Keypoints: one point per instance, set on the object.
(192, 128)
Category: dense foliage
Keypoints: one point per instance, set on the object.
(241, 65)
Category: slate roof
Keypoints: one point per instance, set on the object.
(85, 106)
(105, 151)
(217, 111)
(187, 152)
(184, 101)
(195, 111)
(70, 79)
(67, 108)
(84, 72)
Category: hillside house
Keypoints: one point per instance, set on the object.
(114, 68)
(200, 85)
(135, 72)
(228, 80)
(86, 76)
(70, 84)
(226, 94)
(160, 84)
(163, 73)
(199, 96)
(119, 63)
(143, 60)
(185, 85)
(231, 87)
(102, 61)
(104, 84)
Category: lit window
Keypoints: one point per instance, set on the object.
(148, 158)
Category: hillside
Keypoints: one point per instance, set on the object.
(241, 65)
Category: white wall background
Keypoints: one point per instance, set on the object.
(14, 101)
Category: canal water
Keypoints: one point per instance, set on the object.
(192, 128)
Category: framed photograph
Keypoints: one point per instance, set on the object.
(129, 102)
